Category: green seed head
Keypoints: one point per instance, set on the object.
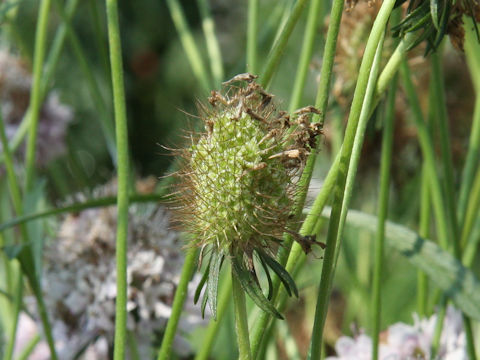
(240, 175)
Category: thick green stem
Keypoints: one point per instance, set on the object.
(121, 134)
(385, 165)
(241, 320)
(339, 206)
(178, 301)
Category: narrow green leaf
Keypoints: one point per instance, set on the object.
(198, 291)
(434, 12)
(458, 282)
(284, 276)
(252, 288)
(216, 260)
(269, 278)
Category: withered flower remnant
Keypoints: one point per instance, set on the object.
(238, 184)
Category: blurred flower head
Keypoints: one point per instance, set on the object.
(54, 117)
(79, 280)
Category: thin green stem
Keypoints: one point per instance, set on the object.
(471, 216)
(442, 119)
(90, 204)
(178, 301)
(28, 349)
(105, 119)
(279, 47)
(316, 12)
(424, 231)
(252, 35)
(471, 164)
(188, 43)
(121, 134)
(438, 328)
(339, 205)
(213, 48)
(428, 153)
(393, 64)
(241, 320)
(16, 313)
(35, 101)
(385, 165)
(98, 29)
(214, 326)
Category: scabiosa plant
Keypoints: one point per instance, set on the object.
(238, 185)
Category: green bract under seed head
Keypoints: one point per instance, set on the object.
(240, 175)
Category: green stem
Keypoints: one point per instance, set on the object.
(28, 349)
(424, 231)
(90, 204)
(213, 326)
(471, 164)
(428, 153)
(213, 47)
(35, 102)
(241, 320)
(315, 13)
(16, 313)
(188, 43)
(121, 133)
(393, 64)
(99, 39)
(438, 328)
(178, 301)
(385, 165)
(105, 120)
(252, 35)
(339, 206)
(279, 47)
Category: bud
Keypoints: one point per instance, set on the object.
(238, 183)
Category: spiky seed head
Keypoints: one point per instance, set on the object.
(240, 175)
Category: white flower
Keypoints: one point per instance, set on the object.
(409, 342)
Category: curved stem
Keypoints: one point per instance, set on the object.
(121, 134)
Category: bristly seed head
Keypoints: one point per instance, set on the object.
(239, 181)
